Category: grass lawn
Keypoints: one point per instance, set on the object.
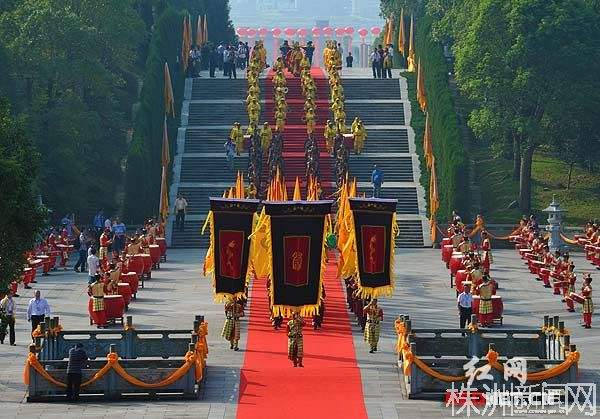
(550, 177)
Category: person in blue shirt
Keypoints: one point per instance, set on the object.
(118, 230)
(99, 222)
(376, 180)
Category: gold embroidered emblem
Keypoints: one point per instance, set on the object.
(297, 260)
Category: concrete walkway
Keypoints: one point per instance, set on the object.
(178, 291)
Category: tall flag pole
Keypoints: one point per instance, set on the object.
(168, 92)
(205, 29)
(411, 47)
(200, 32)
(401, 34)
(421, 97)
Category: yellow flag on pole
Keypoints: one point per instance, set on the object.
(168, 92)
(401, 35)
(205, 29)
(421, 97)
(434, 202)
(427, 143)
(165, 153)
(389, 33)
(164, 196)
(200, 31)
(297, 194)
(411, 47)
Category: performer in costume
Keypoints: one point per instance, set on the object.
(588, 305)
(569, 287)
(105, 241)
(360, 135)
(237, 136)
(486, 246)
(295, 339)
(374, 316)
(485, 302)
(329, 135)
(266, 135)
(96, 291)
(234, 310)
(294, 59)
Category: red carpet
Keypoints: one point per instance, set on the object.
(329, 385)
(295, 134)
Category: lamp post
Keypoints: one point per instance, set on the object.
(555, 219)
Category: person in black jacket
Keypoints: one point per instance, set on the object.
(77, 357)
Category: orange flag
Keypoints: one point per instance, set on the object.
(434, 201)
(168, 92)
(421, 98)
(165, 154)
(427, 143)
(241, 187)
(205, 29)
(186, 43)
(164, 196)
(389, 31)
(297, 194)
(284, 195)
(200, 31)
(411, 47)
(401, 35)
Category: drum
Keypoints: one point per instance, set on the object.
(35, 263)
(125, 291)
(461, 276)
(589, 251)
(28, 275)
(133, 280)
(497, 306)
(147, 261)
(455, 262)
(545, 275)
(135, 263)
(155, 254)
(447, 250)
(114, 305)
(162, 243)
(577, 297)
(46, 262)
(535, 266)
(446, 240)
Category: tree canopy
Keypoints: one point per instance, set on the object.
(22, 217)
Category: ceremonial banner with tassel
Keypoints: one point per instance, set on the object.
(411, 47)
(389, 33)
(427, 142)
(421, 97)
(434, 201)
(163, 209)
(374, 229)
(186, 43)
(401, 36)
(294, 244)
(205, 29)
(231, 222)
(200, 32)
(168, 93)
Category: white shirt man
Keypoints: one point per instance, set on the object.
(465, 304)
(37, 309)
(93, 266)
(181, 205)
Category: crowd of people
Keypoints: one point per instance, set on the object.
(382, 61)
(555, 269)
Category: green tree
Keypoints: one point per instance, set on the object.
(513, 60)
(22, 217)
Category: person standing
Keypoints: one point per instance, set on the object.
(376, 181)
(8, 309)
(37, 310)
(77, 358)
(213, 59)
(349, 60)
(309, 51)
(588, 305)
(83, 248)
(99, 223)
(96, 292)
(108, 223)
(119, 231)
(374, 315)
(375, 60)
(229, 153)
(93, 263)
(486, 311)
(465, 304)
(181, 205)
(295, 339)
(231, 329)
(220, 49)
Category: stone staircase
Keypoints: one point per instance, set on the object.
(211, 106)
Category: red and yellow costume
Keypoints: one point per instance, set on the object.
(98, 314)
(588, 305)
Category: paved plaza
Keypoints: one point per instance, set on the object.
(178, 291)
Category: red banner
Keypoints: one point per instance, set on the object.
(373, 249)
(296, 251)
(231, 247)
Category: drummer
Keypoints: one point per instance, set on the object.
(485, 292)
(105, 242)
(588, 305)
(96, 292)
